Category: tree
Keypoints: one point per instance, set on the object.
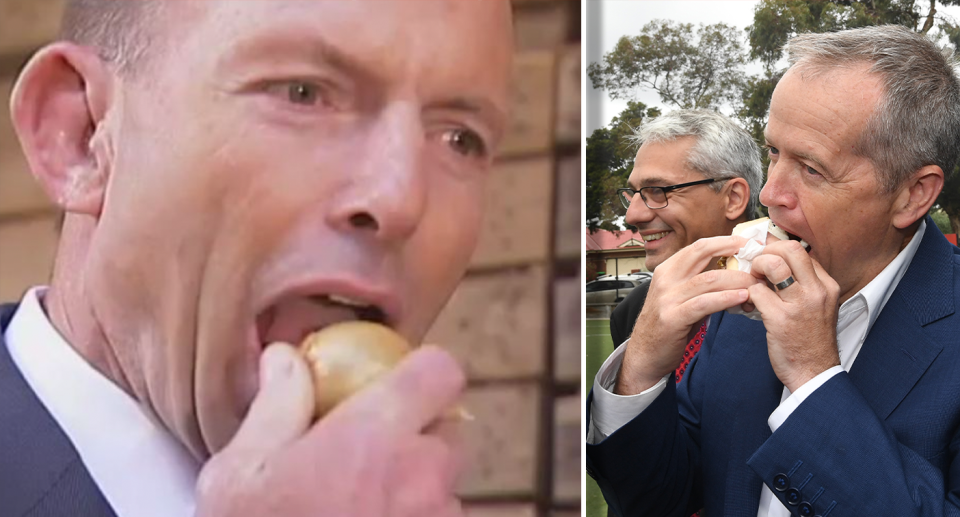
(610, 152)
(705, 71)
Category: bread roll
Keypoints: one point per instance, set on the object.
(774, 234)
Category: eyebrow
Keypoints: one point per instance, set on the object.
(487, 110)
(800, 154)
(268, 46)
(653, 181)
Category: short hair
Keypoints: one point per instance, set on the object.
(917, 121)
(722, 150)
(116, 28)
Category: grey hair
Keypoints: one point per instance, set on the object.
(917, 121)
(723, 149)
(122, 31)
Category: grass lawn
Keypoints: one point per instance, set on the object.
(599, 346)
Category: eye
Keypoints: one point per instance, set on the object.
(298, 92)
(773, 151)
(812, 171)
(465, 142)
(304, 93)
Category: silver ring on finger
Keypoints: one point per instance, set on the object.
(785, 284)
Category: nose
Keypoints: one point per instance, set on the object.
(777, 192)
(386, 196)
(638, 213)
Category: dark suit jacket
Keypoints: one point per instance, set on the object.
(41, 474)
(626, 313)
(883, 439)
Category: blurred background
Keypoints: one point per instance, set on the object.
(515, 320)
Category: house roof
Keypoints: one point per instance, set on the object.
(607, 240)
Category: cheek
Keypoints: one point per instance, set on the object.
(440, 253)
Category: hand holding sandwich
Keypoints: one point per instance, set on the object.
(800, 318)
(681, 295)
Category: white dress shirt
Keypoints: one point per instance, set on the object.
(856, 317)
(141, 470)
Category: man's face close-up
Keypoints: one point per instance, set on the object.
(281, 166)
(691, 213)
(817, 187)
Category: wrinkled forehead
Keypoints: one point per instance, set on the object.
(466, 43)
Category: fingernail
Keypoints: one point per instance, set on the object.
(275, 366)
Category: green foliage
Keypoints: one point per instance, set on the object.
(687, 71)
(943, 222)
(952, 32)
(775, 21)
(610, 153)
(949, 201)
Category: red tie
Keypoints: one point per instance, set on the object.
(692, 348)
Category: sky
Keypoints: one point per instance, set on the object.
(627, 17)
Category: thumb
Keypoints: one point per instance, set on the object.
(282, 411)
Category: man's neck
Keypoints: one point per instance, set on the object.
(76, 323)
(899, 239)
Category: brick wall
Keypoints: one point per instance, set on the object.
(515, 320)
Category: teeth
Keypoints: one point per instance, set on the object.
(654, 236)
(350, 302)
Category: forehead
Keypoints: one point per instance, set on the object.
(664, 163)
(466, 45)
(823, 113)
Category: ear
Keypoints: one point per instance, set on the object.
(915, 198)
(736, 196)
(57, 107)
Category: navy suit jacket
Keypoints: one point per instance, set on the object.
(883, 439)
(41, 474)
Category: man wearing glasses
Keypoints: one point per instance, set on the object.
(843, 399)
(697, 174)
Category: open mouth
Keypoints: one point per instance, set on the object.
(792, 237)
(805, 244)
(294, 317)
(775, 229)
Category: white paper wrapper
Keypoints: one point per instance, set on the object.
(751, 250)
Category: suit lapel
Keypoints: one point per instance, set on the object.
(895, 354)
(41, 474)
(747, 372)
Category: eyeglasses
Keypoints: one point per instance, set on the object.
(656, 197)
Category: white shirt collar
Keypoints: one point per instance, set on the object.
(879, 290)
(852, 326)
(140, 468)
